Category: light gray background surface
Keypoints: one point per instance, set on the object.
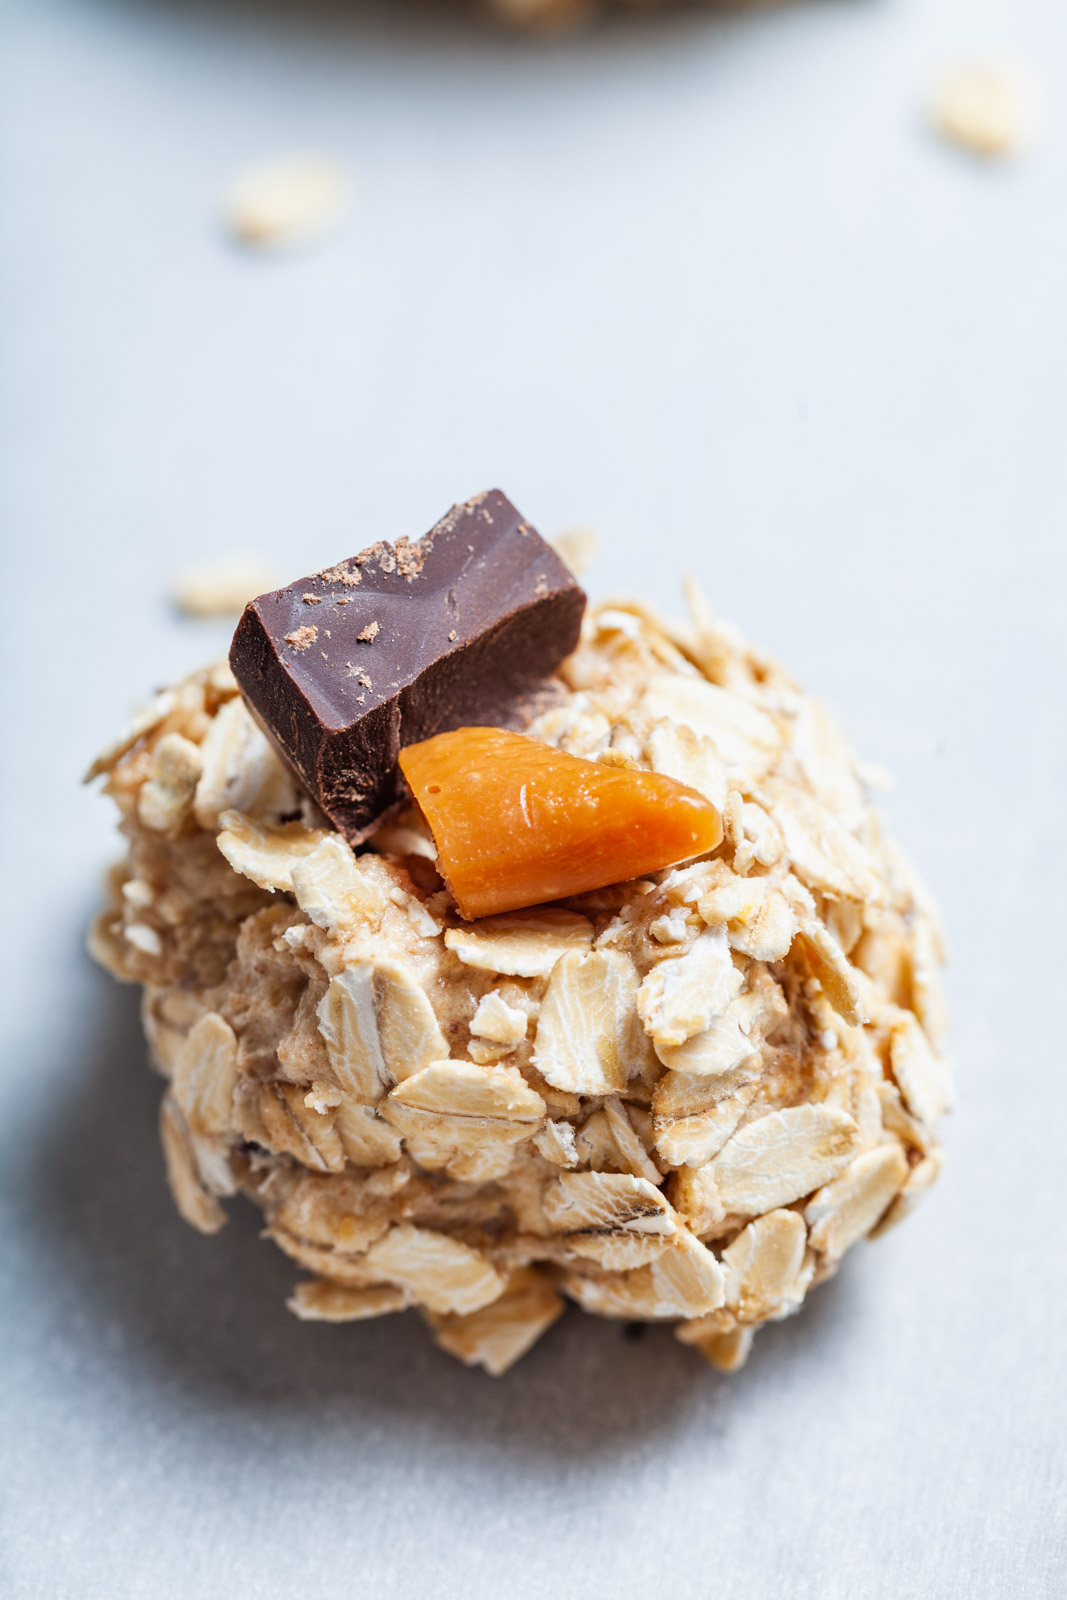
(710, 286)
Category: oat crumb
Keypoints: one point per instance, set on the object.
(370, 632)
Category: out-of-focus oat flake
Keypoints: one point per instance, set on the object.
(288, 201)
(986, 107)
(576, 548)
(223, 588)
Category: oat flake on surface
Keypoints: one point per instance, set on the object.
(223, 588)
(287, 201)
(986, 108)
(682, 1099)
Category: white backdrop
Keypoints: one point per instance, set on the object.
(711, 287)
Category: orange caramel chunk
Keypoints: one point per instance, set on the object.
(517, 823)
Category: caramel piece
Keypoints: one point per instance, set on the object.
(517, 823)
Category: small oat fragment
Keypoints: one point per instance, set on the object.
(773, 1161)
(919, 1181)
(766, 1274)
(834, 971)
(555, 1142)
(194, 1200)
(922, 1076)
(367, 1140)
(589, 1039)
(740, 734)
(288, 1125)
(287, 201)
(986, 108)
(462, 1089)
(826, 856)
(222, 588)
(319, 1300)
(844, 1210)
(501, 1333)
(686, 1280)
(671, 928)
(522, 944)
(606, 1202)
(438, 1272)
(675, 750)
(145, 720)
(727, 1351)
(240, 771)
(624, 1123)
(144, 937)
(758, 918)
(205, 1076)
(720, 1047)
(266, 854)
(683, 995)
(331, 887)
(166, 799)
(464, 1118)
(498, 1022)
(370, 632)
(378, 1027)
(694, 1116)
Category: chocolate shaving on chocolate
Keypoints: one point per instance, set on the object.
(302, 638)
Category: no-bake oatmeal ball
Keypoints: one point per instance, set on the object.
(679, 1098)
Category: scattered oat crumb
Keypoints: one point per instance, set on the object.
(987, 108)
(370, 632)
(288, 201)
(453, 635)
(223, 588)
(311, 599)
(302, 638)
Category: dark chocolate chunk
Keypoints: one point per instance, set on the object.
(401, 642)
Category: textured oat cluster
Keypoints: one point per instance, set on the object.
(681, 1099)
